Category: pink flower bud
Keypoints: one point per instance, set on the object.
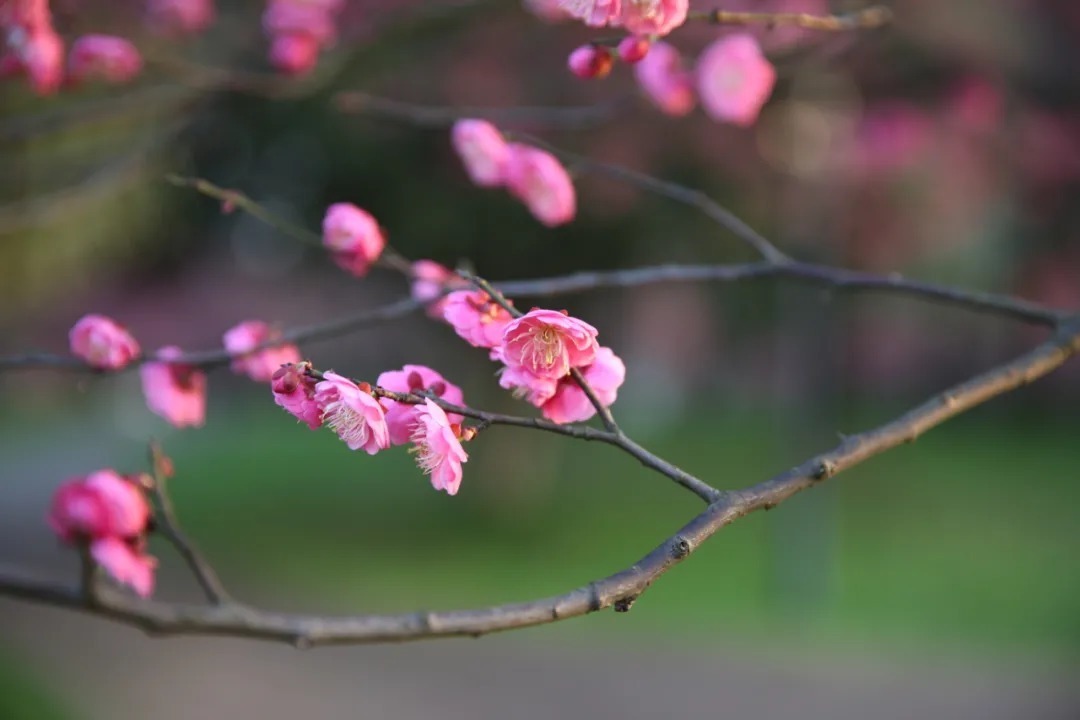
(476, 318)
(590, 61)
(483, 151)
(661, 76)
(175, 391)
(112, 59)
(356, 417)
(179, 17)
(547, 343)
(78, 512)
(102, 342)
(126, 564)
(633, 48)
(437, 448)
(734, 79)
(241, 342)
(353, 237)
(401, 417)
(539, 180)
(569, 403)
(295, 391)
(294, 54)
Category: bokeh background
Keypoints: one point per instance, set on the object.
(939, 580)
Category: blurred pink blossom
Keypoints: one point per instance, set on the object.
(483, 151)
(476, 318)
(401, 418)
(175, 391)
(429, 280)
(547, 343)
(241, 342)
(653, 17)
(353, 237)
(665, 81)
(734, 79)
(437, 448)
(547, 10)
(127, 565)
(78, 511)
(594, 13)
(178, 17)
(538, 179)
(633, 48)
(356, 417)
(102, 342)
(109, 58)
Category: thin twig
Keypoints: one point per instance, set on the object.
(169, 527)
(619, 590)
(868, 18)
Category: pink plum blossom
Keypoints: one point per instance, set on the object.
(179, 16)
(538, 179)
(294, 54)
(356, 417)
(112, 59)
(78, 511)
(590, 61)
(664, 80)
(653, 17)
(294, 390)
(299, 30)
(401, 418)
(476, 318)
(102, 342)
(528, 387)
(633, 48)
(547, 10)
(437, 447)
(127, 565)
(594, 13)
(353, 237)
(101, 504)
(570, 404)
(547, 343)
(483, 151)
(734, 79)
(30, 44)
(175, 391)
(260, 365)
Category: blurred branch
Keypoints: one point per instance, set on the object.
(619, 590)
(439, 116)
(868, 18)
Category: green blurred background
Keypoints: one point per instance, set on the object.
(945, 148)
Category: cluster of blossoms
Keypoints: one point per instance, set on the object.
(533, 176)
(30, 46)
(174, 389)
(299, 30)
(363, 422)
(107, 514)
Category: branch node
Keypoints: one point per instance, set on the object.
(825, 469)
(680, 547)
(624, 604)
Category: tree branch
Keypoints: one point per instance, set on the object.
(865, 19)
(619, 590)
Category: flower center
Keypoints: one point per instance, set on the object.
(349, 425)
(545, 347)
(426, 459)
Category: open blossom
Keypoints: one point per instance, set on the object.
(128, 565)
(356, 417)
(175, 391)
(437, 447)
(594, 13)
(259, 365)
(294, 390)
(102, 342)
(401, 418)
(538, 179)
(547, 343)
(101, 504)
(109, 58)
(570, 404)
(483, 151)
(664, 80)
(353, 237)
(653, 17)
(476, 318)
(179, 16)
(734, 79)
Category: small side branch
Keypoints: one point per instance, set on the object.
(866, 19)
